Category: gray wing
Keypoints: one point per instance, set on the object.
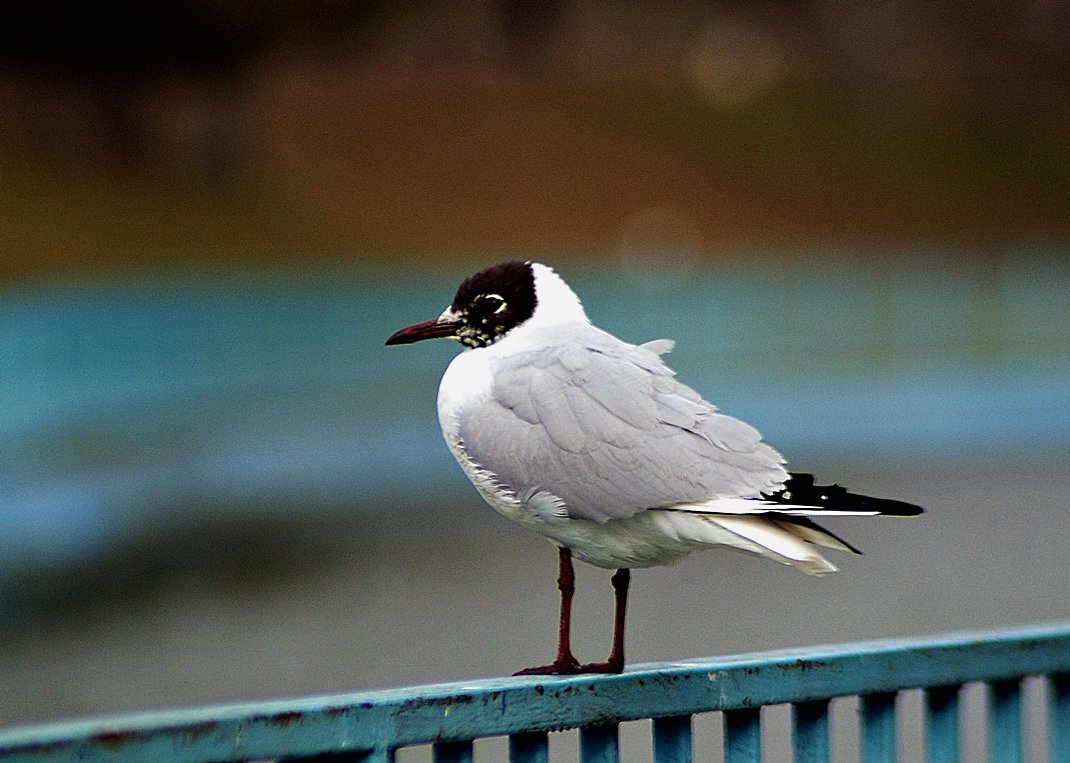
(589, 427)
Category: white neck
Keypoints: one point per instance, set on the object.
(557, 303)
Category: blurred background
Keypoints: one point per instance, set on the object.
(217, 484)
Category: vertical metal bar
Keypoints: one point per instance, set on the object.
(529, 747)
(942, 724)
(451, 752)
(1005, 722)
(672, 739)
(599, 744)
(878, 728)
(1059, 718)
(743, 736)
(810, 732)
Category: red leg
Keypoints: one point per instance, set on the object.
(564, 663)
(615, 662)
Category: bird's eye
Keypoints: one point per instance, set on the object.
(493, 303)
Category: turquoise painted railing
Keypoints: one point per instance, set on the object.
(371, 726)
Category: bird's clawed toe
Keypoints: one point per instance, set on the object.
(560, 667)
(571, 667)
(609, 666)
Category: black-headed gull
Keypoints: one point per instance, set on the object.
(591, 441)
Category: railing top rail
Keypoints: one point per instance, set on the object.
(373, 720)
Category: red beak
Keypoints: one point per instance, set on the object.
(434, 329)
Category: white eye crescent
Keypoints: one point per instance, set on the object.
(496, 298)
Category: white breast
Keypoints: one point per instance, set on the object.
(467, 382)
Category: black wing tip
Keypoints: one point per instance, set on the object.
(800, 487)
(903, 509)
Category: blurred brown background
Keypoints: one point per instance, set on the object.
(192, 132)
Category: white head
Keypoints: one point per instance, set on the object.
(491, 303)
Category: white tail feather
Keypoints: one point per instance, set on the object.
(785, 543)
(817, 536)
